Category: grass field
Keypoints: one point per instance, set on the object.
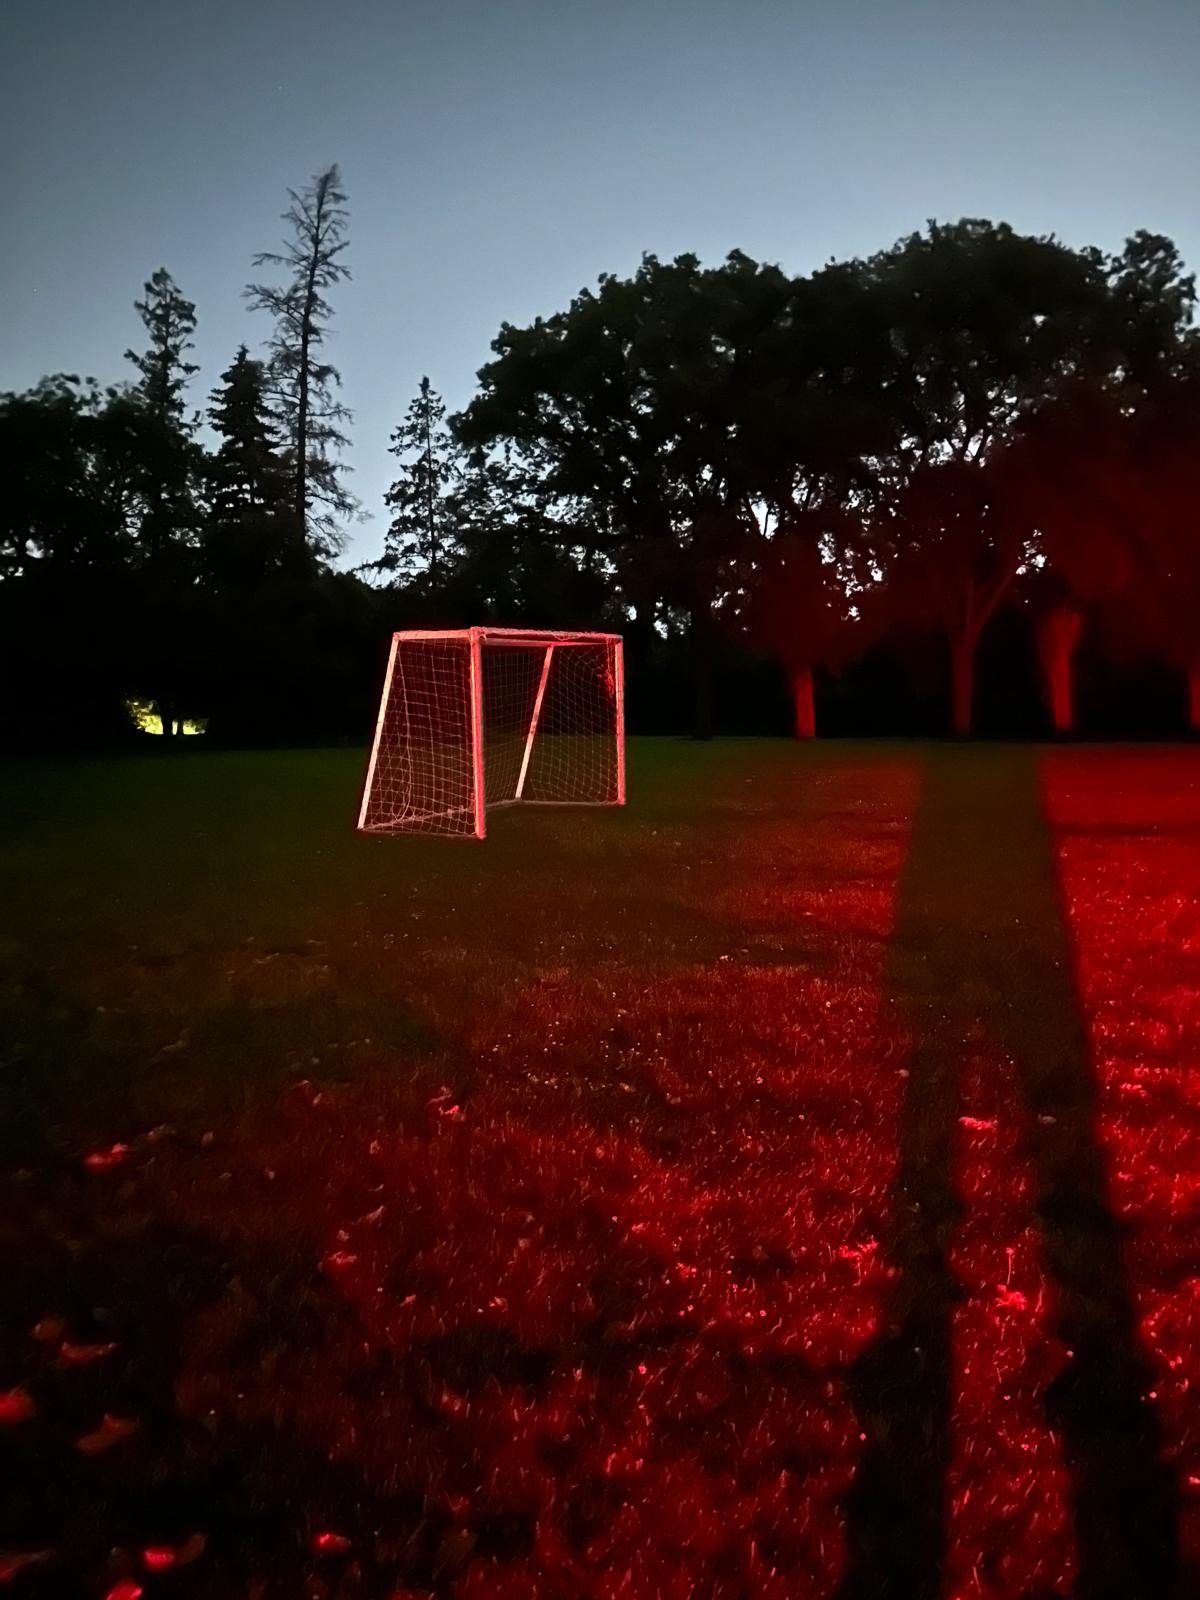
(788, 1186)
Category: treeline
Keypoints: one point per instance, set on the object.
(949, 484)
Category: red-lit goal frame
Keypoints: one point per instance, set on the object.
(389, 803)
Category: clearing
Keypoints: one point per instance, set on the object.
(786, 1187)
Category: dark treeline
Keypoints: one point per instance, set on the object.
(946, 487)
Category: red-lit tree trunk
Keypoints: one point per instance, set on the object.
(1194, 697)
(1058, 636)
(802, 700)
(975, 605)
(962, 677)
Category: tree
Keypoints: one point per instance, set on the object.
(1105, 471)
(1158, 611)
(619, 408)
(71, 506)
(250, 532)
(1072, 479)
(304, 385)
(802, 606)
(48, 509)
(987, 326)
(422, 532)
(170, 321)
(170, 460)
(169, 467)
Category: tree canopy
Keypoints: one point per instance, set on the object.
(782, 482)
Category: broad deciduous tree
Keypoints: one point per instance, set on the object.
(986, 326)
(798, 606)
(660, 411)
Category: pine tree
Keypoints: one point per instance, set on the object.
(170, 320)
(167, 459)
(304, 387)
(250, 528)
(165, 471)
(422, 532)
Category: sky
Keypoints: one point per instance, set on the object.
(500, 154)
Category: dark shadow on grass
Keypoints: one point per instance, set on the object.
(980, 952)
(258, 1490)
(75, 1075)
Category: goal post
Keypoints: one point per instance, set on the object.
(471, 719)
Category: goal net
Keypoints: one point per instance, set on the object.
(478, 718)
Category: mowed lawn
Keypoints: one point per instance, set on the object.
(781, 1187)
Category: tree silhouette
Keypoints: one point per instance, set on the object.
(169, 461)
(304, 386)
(799, 605)
(967, 421)
(619, 408)
(250, 529)
(170, 322)
(421, 534)
(986, 324)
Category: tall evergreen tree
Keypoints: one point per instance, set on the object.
(304, 386)
(169, 459)
(170, 322)
(250, 527)
(422, 532)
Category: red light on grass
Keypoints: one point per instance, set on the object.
(103, 1160)
(82, 1355)
(163, 1557)
(15, 1406)
(330, 1544)
(110, 1432)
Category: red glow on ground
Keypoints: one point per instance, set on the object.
(330, 1544)
(1129, 856)
(112, 1431)
(603, 1293)
(620, 1284)
(83, 1355)
(104, 1160)
(15, 1406)
(1009, 1491)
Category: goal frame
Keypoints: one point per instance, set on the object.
(547, 639)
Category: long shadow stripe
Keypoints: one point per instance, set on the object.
(980, 952)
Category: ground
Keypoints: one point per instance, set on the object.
(786, 1187)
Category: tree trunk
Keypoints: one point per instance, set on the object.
(1194, 697)
(702, 669)
(802, 699)
(962, 668)
(302, 400)
(1059, 635)
(166, 717)
(300, 490)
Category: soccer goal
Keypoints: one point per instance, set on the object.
(477, 718)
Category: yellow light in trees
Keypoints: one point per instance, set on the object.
(144, 715)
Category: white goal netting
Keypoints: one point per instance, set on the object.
(484, 717)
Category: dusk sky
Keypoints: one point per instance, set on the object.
(500, 154)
